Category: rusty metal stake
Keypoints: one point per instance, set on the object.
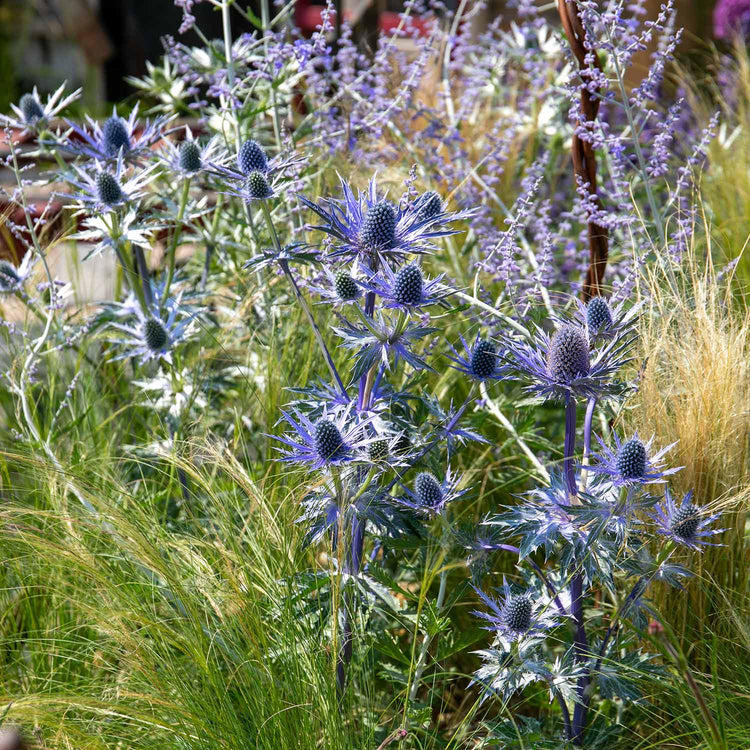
(584, 158)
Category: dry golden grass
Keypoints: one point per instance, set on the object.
(695, 389)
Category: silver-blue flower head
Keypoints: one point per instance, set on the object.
(483, 361)
(328, 441)
(115, 136)
(428, 490)
(257, 186)
(9, 278)
(31, 109)
(190, 156)
(347, 288)
(430, 205)
(252, 158)
(408, 286)
(598, 314)
(631, 459)
(108, 189)
(379, 226)
(568, 356)
(155, 334)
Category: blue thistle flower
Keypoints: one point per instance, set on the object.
(103, 190)
(563, 366)
(430, 205)
(252, 158)
(115, 136)
(328, 441)
(257, 187)
(31, 115)
(686, 524)
(568, 355)
(190, 157)
(598, 314)
(334, 438)
(517, 616)
(151, 336)
(378, 450)
(430, 496)
(9, 278)
(346, 286)
(108, 189)
(483, 362)
(155, 334)
(428, 490)
(369, 223)
(631, 459)
(631, 462)
(480, 361)
(406, 289)
(379, 226)
(30, 108)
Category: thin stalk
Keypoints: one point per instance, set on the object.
(142, 270)
(590, 407)
(132, 279)
(172, 251)
(508, 425)
(284, 264)
(569, 469)
(422, 659)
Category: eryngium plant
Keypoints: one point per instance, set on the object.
(598, 526)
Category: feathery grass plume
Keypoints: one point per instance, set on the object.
(694, 390)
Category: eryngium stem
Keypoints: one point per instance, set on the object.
(569, 469)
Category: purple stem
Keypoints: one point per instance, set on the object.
(352, 566)
(587, 426)
(569, 469)
(369, 311)
(580, 642)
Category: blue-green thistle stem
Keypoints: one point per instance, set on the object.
(570, 448)
(284, 264)
(141, 268)
(172, 251)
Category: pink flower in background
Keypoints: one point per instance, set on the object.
(732, 17)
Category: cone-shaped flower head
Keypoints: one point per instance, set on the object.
(430, 205)
(8, 275)
(483, 362)
(518, 611)
(257, 187)
(598, 314)
(31, 109)
(346, 286)
(568, 355)
(252, 158)
(379, 227)
(407, 289)
(631, 459)
(190, 156)
(428, 490)
(377, 450)
(155, 334)
(108, 189)
(328, 440)
(115, 136)
(685, 521)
